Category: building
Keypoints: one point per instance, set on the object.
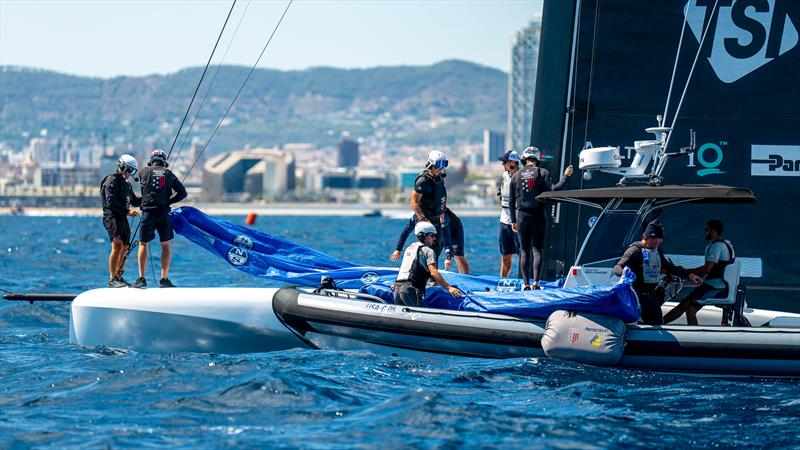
(522, 84)
(348, 152)
(494, 145)
(259, 173)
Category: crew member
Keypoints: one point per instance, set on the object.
(509, 241)
(718, 255)
(452, 240)
(429, 195)
(419, 264)
(158, 184)
(528, 216)
(647, 261)
(118, 197)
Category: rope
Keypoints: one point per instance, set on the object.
(213, 133)
(201, 80)
(591, 69)
(211, 83)
(691, 72)
(674, 69)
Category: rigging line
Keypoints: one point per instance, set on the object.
(591, 69)
(213, 133)
(201, 80)
(675, 67)
(572, 130)
(691, 72)
(211, 83)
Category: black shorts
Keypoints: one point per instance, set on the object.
(156, 220)
(118, 228)
(456, 230)
(509, 241)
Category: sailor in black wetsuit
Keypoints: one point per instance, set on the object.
(719, 254)
(419, 264)
(158, 184)
(647, 261)
(528, 216)
(429, 195)
(118, 197)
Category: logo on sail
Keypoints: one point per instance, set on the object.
(370, 278)
(775, 160)
(243, 241)
(743, 35)
(237, 256)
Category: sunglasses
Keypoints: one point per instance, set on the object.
(440, 164)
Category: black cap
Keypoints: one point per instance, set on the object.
(509, 155)
(654, 230)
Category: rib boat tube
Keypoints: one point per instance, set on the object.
(751, 351)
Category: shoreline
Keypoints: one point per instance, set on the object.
(393, 211)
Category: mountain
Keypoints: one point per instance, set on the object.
(445, 103)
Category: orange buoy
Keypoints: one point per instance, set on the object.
(251, 218)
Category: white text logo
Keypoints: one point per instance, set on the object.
(775, 160)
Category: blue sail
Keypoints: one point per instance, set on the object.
(277, 259)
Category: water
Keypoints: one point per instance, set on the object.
(57, 395)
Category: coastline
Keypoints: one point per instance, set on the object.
(390, 210)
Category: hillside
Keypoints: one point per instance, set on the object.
(448, 102)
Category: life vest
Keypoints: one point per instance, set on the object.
(718, 271)
(411, 270)
(531, 183)
(121, 196)
(651, 263)
(505, 190)
(432, 204)
(156, 183)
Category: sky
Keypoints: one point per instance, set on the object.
(135, 38)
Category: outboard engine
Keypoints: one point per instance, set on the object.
(585, 338)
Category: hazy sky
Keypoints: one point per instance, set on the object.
(109, 38)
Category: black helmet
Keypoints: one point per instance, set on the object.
(158, 156)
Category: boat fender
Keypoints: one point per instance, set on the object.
(585, 338)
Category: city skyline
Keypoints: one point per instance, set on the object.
(107, 39)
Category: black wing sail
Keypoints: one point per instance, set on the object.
(743, 100)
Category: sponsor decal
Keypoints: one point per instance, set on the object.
(775, 160)
(596, 340)
(743, 35)
(709, 156)
(574, 335)
(237, 256)
(243, 241)
(592, 221)
(370, 278)
(506, 285)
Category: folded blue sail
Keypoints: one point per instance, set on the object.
(273, 258)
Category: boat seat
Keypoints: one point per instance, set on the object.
(731, 277)
(734, 302)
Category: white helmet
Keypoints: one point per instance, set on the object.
(127, 163)
(531, 153)
(436, 159)
(421, 229)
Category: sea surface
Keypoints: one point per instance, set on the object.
(57, 395)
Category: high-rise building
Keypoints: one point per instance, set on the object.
(494, 143)
(522, 84)
(348, 152)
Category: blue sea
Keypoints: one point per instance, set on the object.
(57, 395)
